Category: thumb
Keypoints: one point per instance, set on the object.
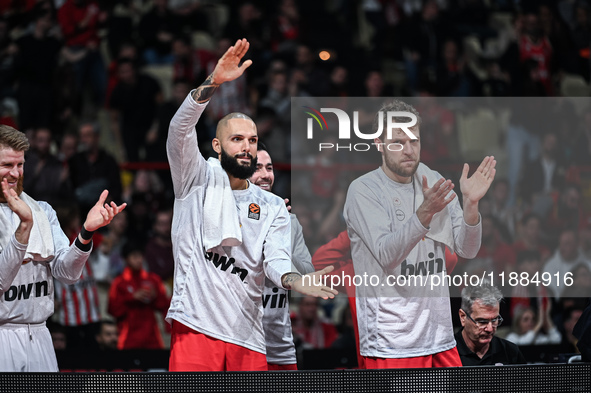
(326, 270)
(425, 184)
(245, 65)
(465, 171)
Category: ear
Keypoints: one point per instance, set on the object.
(378, 142)
(216, 144)
(462, 317)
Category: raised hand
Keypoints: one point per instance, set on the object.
(17, 205)
(475, 187)
(435, 199)
(228, 67)
(102, 213)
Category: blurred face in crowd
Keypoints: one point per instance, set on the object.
(527, 321)
(135, 260)
(308, 309)
(264, 176)
(88, 137)
(568, 245)
(42, 141)
(163, 224)
(11, 168)
(477, 336)
(108, 337)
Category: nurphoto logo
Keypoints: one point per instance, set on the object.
(344, 125)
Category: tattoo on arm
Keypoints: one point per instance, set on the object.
(204, 92)
(289, 278)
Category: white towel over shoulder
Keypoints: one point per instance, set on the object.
(440, 229)
(221, 226)
(40, 247)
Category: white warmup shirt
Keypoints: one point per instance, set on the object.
(276, 320)
(26, 296)
(220, 293)
(387, 239)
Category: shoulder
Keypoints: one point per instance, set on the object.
(265, 197)
(368, 181)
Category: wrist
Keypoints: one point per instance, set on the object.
(86, 234)
(289, 279)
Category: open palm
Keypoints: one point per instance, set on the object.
(475, 187)
(228, 66)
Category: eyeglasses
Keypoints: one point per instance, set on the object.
(483, 323)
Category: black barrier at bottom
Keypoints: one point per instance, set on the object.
(531, 378)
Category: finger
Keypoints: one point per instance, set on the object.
(241, 48)
(326, 270)
(437, 186)
(465, 171)
(448, 200)
(425, 184)
(483, 164)
(121, 207)
(491, 175)
(245, 65)
(103, 198)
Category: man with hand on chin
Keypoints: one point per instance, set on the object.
(228, 236)
(33, 251)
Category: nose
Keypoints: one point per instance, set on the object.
(14, 172)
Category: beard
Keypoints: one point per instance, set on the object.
(399, 170)
(235, 169)
(19, 189)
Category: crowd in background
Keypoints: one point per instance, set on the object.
(94, 85)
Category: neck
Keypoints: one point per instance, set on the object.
(480, 350)
(395, 177)
(238, 184)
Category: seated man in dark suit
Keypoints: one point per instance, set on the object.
(476, 342)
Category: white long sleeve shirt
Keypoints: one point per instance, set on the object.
(219, 293)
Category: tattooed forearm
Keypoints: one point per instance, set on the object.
(288, 279)
(204, 92)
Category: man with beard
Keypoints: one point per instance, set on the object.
(281, 353)
(33, 248)
(400, 218)
(479, 314)
(228, 235)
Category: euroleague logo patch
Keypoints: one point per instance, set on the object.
(254, 211)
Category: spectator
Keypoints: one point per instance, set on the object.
(522, 296)
(159, 258)
(35, 79)
(58, 336)
(133, 103)
(530, 237)
(157, 29)
(133, 298)
(543, 176)
(527, 331)
(68, 147)
(107, 336)
(309, 329)
(156, 138)
(497, 255)
(479, 315)
(80, 21)
(93, 169)
(47, 178)
(563, 261)
(500, 210)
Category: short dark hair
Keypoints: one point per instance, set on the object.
(131, 247)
